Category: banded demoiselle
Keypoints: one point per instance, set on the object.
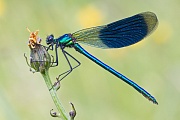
(118, 34)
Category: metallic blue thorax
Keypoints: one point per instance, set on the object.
(65, 40)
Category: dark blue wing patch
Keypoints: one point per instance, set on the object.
(128, 31)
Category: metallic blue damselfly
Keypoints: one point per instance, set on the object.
(118, 34)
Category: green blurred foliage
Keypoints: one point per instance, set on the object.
(153, 63)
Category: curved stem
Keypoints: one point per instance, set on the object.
(54, 96)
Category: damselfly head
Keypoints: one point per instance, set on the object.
(33, 39)
(50, 39)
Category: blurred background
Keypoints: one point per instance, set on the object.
(153, 63)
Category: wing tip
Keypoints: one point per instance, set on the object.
(151, 21)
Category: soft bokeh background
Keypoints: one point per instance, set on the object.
(154, 63)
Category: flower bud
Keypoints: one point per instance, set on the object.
(54, 114)
(72, 113)
(40, 59)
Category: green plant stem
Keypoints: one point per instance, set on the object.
(54, 96)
